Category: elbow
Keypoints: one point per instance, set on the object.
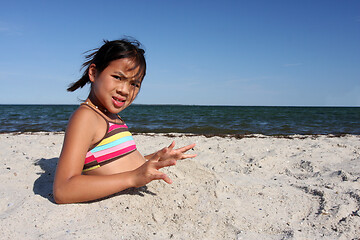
(59, 200)
(60, 196)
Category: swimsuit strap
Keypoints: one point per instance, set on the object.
(91, 107)
(102, 114)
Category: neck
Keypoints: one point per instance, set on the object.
(96, 104)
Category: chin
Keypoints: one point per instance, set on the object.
(121, 109)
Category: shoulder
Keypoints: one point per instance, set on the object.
(87, 123)
(83, 117)
(84, 114)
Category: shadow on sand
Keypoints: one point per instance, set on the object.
(43, 186)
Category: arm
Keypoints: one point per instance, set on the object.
(71, 186)
(82, 188)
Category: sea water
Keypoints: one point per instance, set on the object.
(216, 120)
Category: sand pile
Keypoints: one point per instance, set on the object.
(249, 188)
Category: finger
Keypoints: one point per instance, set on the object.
(165, 163)
(162, 151)
(184, 156)
(159, 175)
(172, 145)
(167, 179)
(155, 158)
(187, 148)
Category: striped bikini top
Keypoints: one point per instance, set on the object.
(116, 143)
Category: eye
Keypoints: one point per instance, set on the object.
(117, 77)
(134, 84)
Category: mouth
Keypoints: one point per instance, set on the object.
(118, 102)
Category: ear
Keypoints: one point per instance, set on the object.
(92, 72)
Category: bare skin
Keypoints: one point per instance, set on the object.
(86, 128)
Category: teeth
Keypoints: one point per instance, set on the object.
(118, 100)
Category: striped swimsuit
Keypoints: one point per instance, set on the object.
(116, 143)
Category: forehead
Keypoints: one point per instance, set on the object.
(125, 66)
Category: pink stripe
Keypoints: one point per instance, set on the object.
(116, 154)
(115, 126)
(114, 149)
(88, 154)
(89, 158)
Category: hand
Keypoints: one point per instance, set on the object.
(149, 171)
(166, 157)
(169, 153)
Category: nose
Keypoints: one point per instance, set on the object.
(123, 88)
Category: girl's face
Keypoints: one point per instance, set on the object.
(115, 87)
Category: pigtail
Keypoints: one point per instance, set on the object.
(80, 83)
(85, 77)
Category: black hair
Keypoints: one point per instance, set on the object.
(110, 51)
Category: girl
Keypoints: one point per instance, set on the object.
(99, 156)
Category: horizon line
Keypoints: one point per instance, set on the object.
(175, 104)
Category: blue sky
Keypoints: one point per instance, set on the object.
(259, 52)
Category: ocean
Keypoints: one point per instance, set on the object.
(203, 120)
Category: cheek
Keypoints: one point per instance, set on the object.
(134, 93)
(108, 85)
(100, 83)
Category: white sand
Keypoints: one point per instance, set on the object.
(250, 188)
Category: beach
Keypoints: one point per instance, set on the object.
(244, 187)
